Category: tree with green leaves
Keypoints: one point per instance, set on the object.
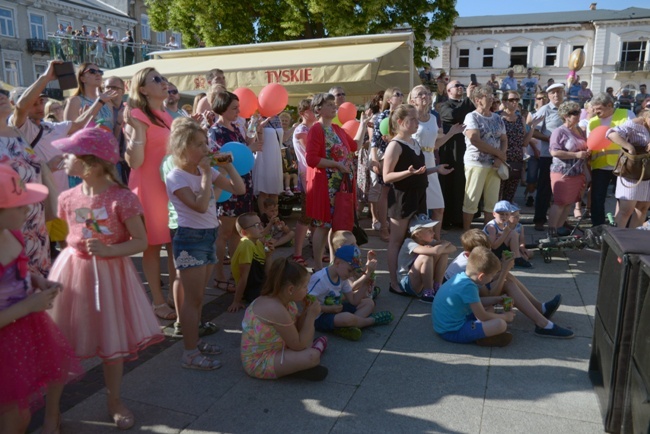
(233, 22)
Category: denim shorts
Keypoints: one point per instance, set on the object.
(194, 247)
(405, 285)
(532, 170)
(325, 322)
(470, 332)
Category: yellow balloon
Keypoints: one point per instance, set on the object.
(577, 59)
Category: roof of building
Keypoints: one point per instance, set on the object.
(546, 18)
(99, 6)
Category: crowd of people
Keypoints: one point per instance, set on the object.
(90, 182)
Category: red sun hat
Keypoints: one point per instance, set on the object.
(14, 192)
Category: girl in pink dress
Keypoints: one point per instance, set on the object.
(35, 355)
(103, 309)
(148, 131)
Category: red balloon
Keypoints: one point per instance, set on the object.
(247, 102)
(347, 111)
(597, 141)
(273, 98)
(351, 127)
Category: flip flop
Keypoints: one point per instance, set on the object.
(225, 285)
(299, 260)
(163, 311)
(400, 293)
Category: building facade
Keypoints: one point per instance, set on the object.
(616, 45)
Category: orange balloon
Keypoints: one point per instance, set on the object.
(273, 98)
(597, 140)
(351, 127)
(247, 102)
(347, 111)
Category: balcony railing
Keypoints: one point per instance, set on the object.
(105, 54)
(38, 46)
(632, 66)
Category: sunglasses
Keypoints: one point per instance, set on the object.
(458, 85)
(172, 92)
(574, 113)
(338, 95)
(4, 92)
(513, 99)
(540, 99)
(94, 71)
(158, 79)
(398, 94)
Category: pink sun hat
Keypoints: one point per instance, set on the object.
(90, 141)
(14, 192)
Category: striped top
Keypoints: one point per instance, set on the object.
(634, 133)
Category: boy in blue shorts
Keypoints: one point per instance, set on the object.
(458, 312)
(422, 260)
(344, 312)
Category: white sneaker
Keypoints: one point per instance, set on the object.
(376, 226)
(288, 192)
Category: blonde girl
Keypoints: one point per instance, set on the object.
(190, 187)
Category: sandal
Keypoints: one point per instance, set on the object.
(298, 259)
(325, 259)
(201, 362)
(207, 328)
(225, 285)
(320, 344)
(163, 311)
(382, 318)
(226, 260)
(208, 348)
(124, 420)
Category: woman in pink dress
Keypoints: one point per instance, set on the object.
(148, 130)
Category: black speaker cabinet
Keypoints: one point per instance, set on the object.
(636, 417)
(615, 314)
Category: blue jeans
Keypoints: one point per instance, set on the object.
(543, 198)
(600, 180)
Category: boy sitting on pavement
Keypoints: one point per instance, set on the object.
(274, 227)
(502, 234)
(539, 313)
(367, 280)
(330, 285)
(422, 260)
(458, 312)
(519, 228)
(250, 262)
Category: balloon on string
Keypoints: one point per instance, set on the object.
(247, 102)
(597, 140)
(383, 126)
(351, 127)
(273, 98)
(346, 112)
(242, 157)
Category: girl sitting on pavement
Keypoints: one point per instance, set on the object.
(276, 339)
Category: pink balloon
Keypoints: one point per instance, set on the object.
(247, 102)
(347, 111)
(351, 127)
(273, 98)
(597, 140)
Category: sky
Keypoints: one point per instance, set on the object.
(472, 8)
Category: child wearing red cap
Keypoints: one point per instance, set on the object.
(103, 309)
(35, 355)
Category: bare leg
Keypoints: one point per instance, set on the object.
(437, 216)
(301, 232)
(640, 214)
(14, 420)
(318, 240)
(113, 371)
(261, 196)
(194, 284)
(397, 233)
(467, 221)
(52, 408)
(536, 303)
(223, 236)
(421, 273)
(151, 268)
(295, 361)
(440, 267)
(494, 327)
(523, 304)
(624, 210)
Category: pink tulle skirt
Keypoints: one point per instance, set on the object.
(34, 355)
(125, 323)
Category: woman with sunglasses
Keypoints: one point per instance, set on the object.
(518, 140)
(393, 97)
(148, 129)
(89, 79)
(568, 147)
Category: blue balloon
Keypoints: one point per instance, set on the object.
(243, 158)
(224, 196)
